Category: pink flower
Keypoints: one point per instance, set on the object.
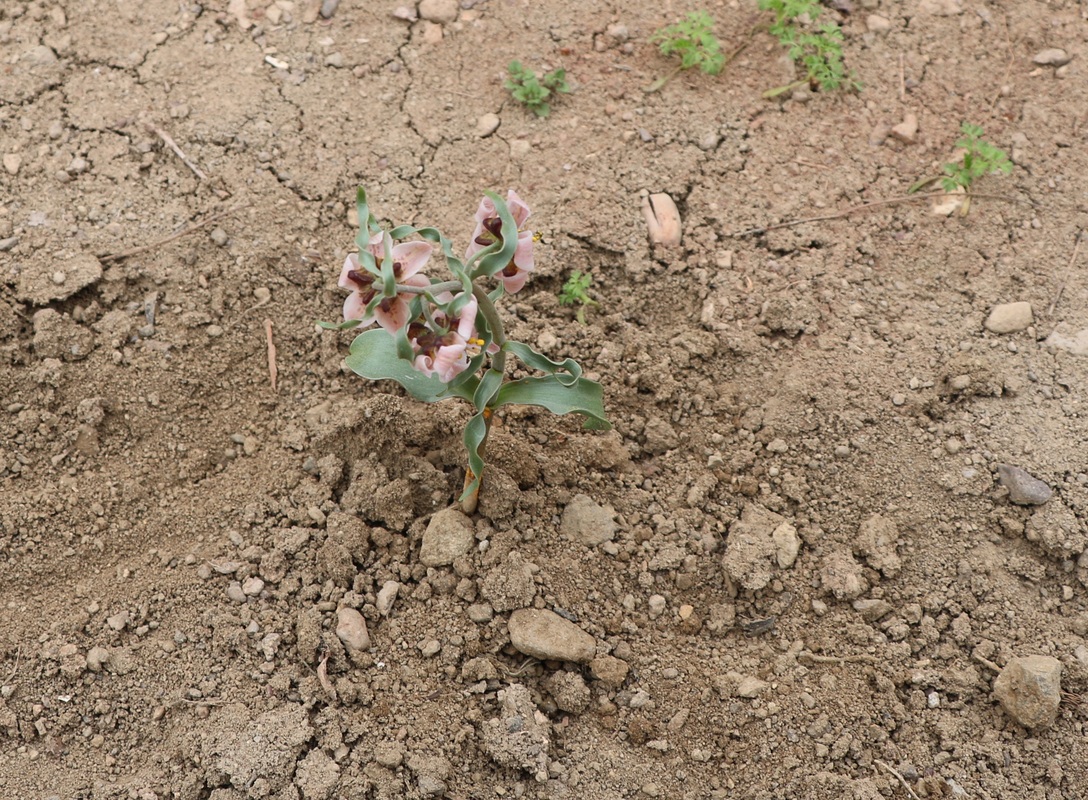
(391, 313)
(489, 230)
(447, 354)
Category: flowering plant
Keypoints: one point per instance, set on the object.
(441, 339)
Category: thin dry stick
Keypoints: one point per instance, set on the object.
(183, 232)
(1068, 269)
(168, 140)
(272, 371)
(863, 207)
(902, 80)
(902, 780)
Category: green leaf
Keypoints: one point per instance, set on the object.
(373, 355)
(581, 397)
(487, 388)
(531, 358)
(474, 437)
(366, 220)
(346, 325)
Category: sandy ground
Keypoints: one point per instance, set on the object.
(794, 562)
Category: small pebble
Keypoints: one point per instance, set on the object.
(1024, 488)
(1009, 317)
(12, 162)
(440, 11)
(252, 586)
(1052, 57)
(235, 593)
(487, 125)
(219, 236)
(351, 629)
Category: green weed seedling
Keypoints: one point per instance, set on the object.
(693, 40)
(818, 48)
(980, 158)
(533, 93)
(576, 290)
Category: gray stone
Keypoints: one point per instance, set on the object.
(1024, 488)
(586, 522)
(1076, 345)
(1029, 689)
(449, 534)
(787, 544)
(441, 11)
(545, 635)
(351, 630)
(1052, 57)
(487, 125)
(1009, 317)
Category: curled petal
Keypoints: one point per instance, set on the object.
(517, 207)
(466, 324)
(523, 255)
(486, 210)
(377, 245)
(351, 263)
(412, 256)
(450, 361)
(355, 308)
(513, 283)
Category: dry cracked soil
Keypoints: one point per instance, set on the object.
(794, 569)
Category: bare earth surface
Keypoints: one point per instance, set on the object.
(789, 571)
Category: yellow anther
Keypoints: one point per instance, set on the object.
(538, 236)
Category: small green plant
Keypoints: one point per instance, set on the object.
(694, 41)
(533, 92)
(576, 290)
(980, 158)
(818, 48)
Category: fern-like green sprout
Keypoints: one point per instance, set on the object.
(576, 290)
(693, 40)
(533, 92)
(817, 48)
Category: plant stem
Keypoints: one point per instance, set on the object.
(660, 82)
(434, 288)
(498, 363)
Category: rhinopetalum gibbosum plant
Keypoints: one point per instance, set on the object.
(442, 337)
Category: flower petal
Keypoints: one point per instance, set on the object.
(513, 283)
(486, 210)
(517, 207)
(450, 361)
(413, 256)
(351, 263)
(523, 255)
(466, 323)
(355, 308)
(393, 314)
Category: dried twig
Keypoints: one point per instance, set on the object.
(168, 140)
(895, 772)
(190, 228)
(864, 207)
(902, 79)
(323, 676)
(272, 371)
(838, 660)
(1068, 269)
